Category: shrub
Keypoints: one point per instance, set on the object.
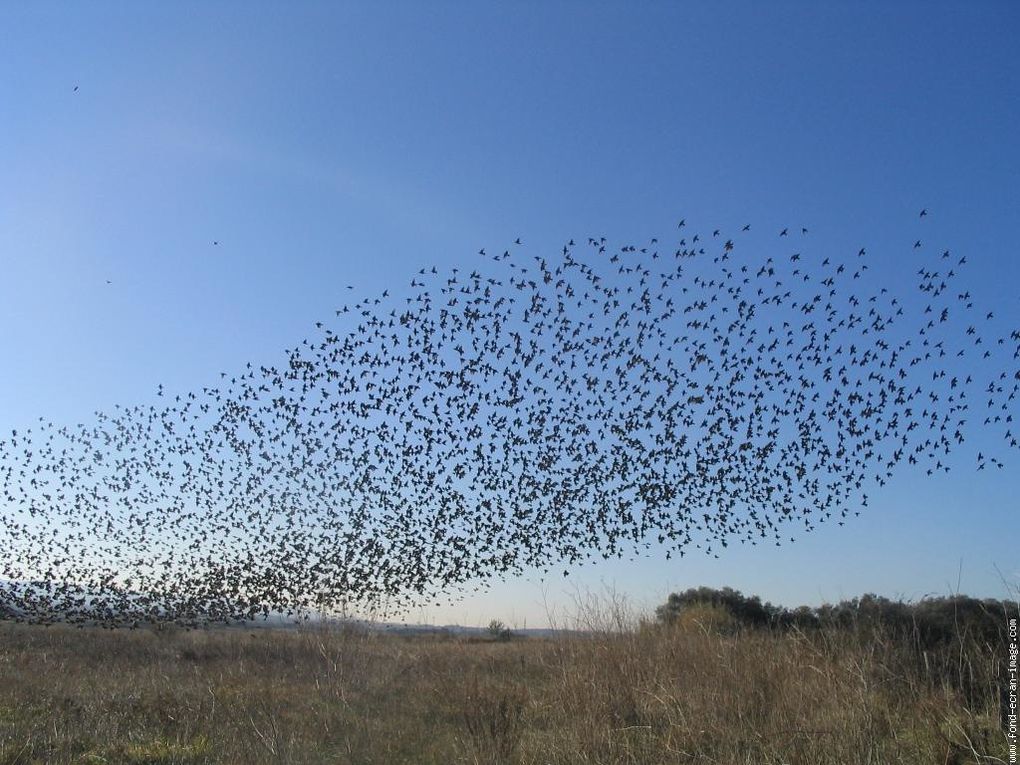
(747, 611)
(498, 630)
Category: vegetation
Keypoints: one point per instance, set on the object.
(499, 630)
(930, 622)
(709, 681)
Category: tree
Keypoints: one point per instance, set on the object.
(748, 611)
(498, 630)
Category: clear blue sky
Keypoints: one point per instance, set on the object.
(327, 144)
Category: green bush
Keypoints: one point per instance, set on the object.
(929, 622)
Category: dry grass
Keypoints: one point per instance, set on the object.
(700, 691)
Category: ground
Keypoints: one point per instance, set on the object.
(697, 691)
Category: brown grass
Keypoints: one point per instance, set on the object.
(702, 691)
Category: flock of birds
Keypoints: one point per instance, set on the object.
(530, 410)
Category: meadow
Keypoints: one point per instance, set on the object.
(701, 689)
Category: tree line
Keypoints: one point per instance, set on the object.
(931, 621)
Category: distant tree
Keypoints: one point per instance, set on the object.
(747, 611)
(498, 630)
(802, 617)
(929, 622)
(940, 620)
(868, 612)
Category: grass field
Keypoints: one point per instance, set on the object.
(699, 691)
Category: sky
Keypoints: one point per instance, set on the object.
(332, 144)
